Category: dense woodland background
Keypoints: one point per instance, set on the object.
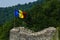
(44, 13)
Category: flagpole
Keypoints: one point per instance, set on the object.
(14, 19)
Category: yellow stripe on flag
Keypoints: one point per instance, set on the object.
(21, 14)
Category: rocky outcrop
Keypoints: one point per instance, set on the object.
(21, 33)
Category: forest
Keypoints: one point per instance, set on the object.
(43, 14)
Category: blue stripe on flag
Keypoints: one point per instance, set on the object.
(16, 13)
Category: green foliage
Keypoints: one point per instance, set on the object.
(58, 29)
(5, 30)
(46, 14)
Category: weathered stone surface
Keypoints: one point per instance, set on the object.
(21, 33)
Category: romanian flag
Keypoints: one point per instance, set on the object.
(23, 15)
(19, 13)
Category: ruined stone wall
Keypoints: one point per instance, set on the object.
(21, 33)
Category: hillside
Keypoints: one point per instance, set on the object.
(43, 15)
(7, 13)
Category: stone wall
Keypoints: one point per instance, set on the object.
(21, 33)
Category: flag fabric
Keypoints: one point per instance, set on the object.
(23, 15)
(16, 13)
(19, 13)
